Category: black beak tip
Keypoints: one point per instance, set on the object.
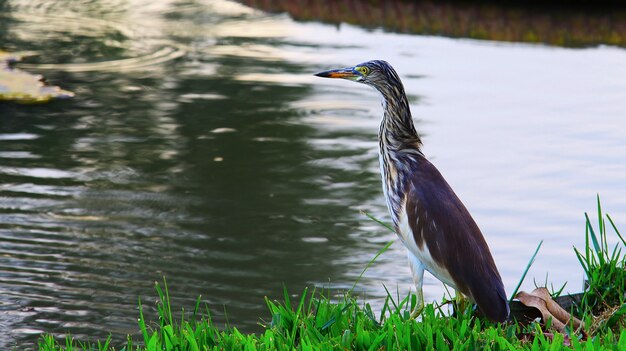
(321, 74)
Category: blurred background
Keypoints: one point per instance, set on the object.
(200, 147)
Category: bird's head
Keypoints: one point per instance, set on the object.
(377, 73)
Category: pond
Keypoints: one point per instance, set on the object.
(200, 147)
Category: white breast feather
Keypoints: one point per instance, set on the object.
(406, 235)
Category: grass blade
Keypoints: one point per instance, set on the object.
(369, 264)
(600, 221)
(594, 240)
(391, 299)
(616, 230)
(530, 263)
(379, 221)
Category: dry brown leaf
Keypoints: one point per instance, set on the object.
(540, 304)
(556, 310)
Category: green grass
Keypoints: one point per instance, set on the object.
(314, 321)
(605, 269)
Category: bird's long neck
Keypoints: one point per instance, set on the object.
(399, 143)
(397, 131)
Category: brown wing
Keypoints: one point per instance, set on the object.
(453, 239)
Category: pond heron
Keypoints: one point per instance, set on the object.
(430, 220)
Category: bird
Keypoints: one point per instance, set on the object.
(437, 230)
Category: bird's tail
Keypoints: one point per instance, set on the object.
(491, 299)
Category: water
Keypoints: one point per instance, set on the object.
(199, 147)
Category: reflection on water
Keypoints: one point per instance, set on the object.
(231, 170)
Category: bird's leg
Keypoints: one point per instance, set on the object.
(461, 302)
(417, 270)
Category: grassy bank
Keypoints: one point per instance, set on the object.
(549, 22)
(317, 322)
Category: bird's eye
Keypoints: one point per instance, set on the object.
(363, 70)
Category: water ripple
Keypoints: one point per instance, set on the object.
(146, 61)
(40, 172)
(145, 53)
(18, 136)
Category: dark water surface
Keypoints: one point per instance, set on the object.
(199, 147)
